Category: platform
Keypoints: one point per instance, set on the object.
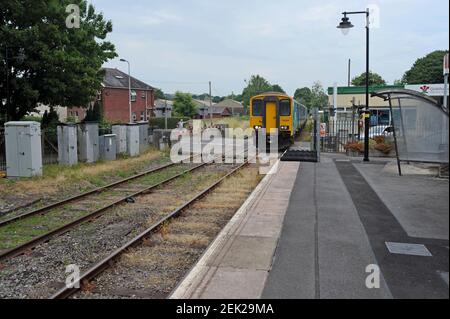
(311, 230)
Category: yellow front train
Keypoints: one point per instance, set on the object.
(274, 110)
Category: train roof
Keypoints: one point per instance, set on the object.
(272, 94)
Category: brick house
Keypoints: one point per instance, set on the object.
(114, 98)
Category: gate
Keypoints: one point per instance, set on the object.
(335, 135)
(49, 142)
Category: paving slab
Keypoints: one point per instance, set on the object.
(237, 263)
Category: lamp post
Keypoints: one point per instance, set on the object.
(129, 89)
(345, 27)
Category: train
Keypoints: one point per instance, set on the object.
(274, 110)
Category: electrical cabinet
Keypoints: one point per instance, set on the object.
(121, 138)
(143, 136)
(67, 145)
(108, 147)
(88, 142)
(23, 149)
(132, 139)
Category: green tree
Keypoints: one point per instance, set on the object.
(61, 64)
(319, 98)
(183, 105)
(256, 85)
(304, 96)
(159, 94)
(426, 70)
(374, 79)
(277, 88)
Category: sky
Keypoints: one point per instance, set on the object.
(180, 45)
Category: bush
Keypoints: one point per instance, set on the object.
(354, 147)
(385, 148)
(159, 122)
(32, 118)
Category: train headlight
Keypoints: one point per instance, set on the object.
(285, 128)
(257, 127)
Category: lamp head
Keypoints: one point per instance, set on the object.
(345, 25)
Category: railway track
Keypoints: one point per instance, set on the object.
(108, 261)
(83, 212)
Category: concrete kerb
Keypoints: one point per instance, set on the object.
(200, 273)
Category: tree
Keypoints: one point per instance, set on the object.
(304, 96)
(319, 98)
(256, 85)
(184, 105)
(374, 79)
(61, 64)
(426, 70)
(159, 94)
(277, 88)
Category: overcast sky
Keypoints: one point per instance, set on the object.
(182, 44)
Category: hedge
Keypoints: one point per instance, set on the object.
(159, 122)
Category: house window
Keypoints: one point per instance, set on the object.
(133, 96)
(134, 116)
(142, 115)
(143, 95)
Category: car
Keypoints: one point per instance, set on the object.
(379, 130)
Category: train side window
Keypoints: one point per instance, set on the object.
(285, 108)
(257, 108)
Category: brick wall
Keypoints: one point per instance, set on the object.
(115, 105)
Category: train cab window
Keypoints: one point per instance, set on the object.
(285, 108)
(257, 108)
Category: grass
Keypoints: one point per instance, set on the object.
(81, 177)
(233, 122)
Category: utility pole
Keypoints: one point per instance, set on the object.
(7, 85)
(349, 69)
(446, 72)
(210, 104)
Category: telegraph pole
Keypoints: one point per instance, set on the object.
(349, 69)
(210, 104)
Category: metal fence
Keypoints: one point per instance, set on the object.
(336, 135)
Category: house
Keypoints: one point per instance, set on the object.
(60, 110)
(237, 108)
(204, 110)
(163, 106)
(114, 98)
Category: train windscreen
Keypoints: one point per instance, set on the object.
(257, 108)
(285, 108)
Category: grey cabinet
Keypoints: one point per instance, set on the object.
(23, 149)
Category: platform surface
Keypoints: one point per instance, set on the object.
(316, 230)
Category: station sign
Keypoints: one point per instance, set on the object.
(428, 89)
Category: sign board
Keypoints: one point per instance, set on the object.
(323, 129)
(446, 65)
(428, 89)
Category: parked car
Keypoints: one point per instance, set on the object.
(379, 130)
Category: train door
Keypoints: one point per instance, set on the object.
(271, 115)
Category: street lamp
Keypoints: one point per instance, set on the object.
(129, 89)
(345, 27)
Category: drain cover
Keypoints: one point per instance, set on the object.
(408, 249)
